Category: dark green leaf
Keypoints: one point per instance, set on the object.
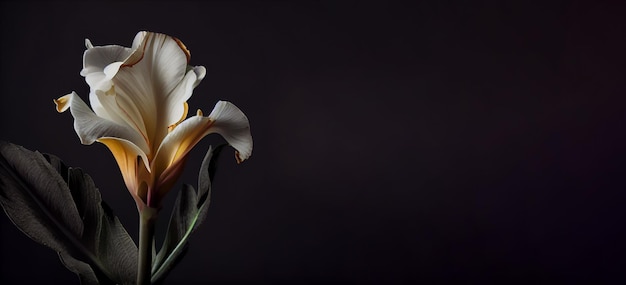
(189, 212)
(85, 273)
(60, 207)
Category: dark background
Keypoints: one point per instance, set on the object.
(437, 142)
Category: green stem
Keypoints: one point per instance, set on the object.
(147, 220)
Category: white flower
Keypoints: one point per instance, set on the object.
(139, 99)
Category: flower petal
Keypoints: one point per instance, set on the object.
(225, 119)
(100, 64)
(88, 44)
(176, 100)
(233, 125)
(90, 127)
(96, 59)
(180, 141)
(120, 110)
(126, 154)
(145, 80)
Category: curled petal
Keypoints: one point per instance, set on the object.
(90, 127)
(96, 59)
(139, 40)
(176, 101)
(225, 119)
(63, 103)
(200, 72)
(232, 124)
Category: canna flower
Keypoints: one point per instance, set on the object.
(139, 99)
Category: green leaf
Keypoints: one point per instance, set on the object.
(60, 207)
(189, 212)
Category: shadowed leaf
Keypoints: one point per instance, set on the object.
(189, 212)
(60, 207)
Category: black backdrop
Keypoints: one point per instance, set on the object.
(433, 142)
